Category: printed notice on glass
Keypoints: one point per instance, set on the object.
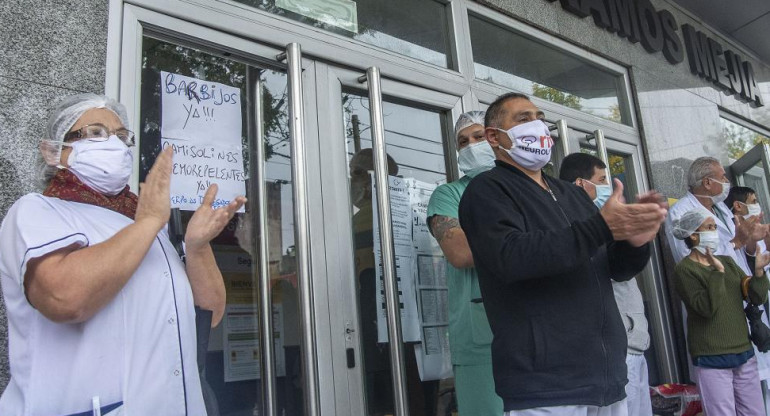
(241, 332)
(401, 214)
(434, 360)
(201, 121)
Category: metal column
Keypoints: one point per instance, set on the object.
(601, 149)
(293, 56)
(561, 127)
(266, 345)
(386, 241)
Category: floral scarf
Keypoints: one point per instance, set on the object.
(65, 185)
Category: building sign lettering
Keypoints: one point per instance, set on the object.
(639, 22)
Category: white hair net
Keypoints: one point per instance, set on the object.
(468, 119)
(686, 225)
(63, 117)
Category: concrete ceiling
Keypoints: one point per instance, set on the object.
(747, 21)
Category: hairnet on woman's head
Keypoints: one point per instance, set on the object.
(468, 119)
(686, 225)
(71, 108)
(63, 116)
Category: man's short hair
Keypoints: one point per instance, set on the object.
(738, 193)
(579, 165)
(496, 111)
(700, 168)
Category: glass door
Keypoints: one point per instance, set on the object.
(752, 170)
(623, 162)
(236, 109)
(409, 127)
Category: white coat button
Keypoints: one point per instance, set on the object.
(166, 274)
(176, 372)
(171, 320)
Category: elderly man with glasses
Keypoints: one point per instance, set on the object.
(100, 306)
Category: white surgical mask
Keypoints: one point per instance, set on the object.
(603, 193)
(754, 210)
(708, 239)
(531, 144)
(720, 196)
(476, 158)
(104, 166)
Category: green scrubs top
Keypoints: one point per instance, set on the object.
(470, 337)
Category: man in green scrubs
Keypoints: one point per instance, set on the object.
(469, 334)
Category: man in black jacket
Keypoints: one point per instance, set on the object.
(545, 255)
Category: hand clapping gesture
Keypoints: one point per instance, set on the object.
(637, 223)
(208, 222)
(761, 260)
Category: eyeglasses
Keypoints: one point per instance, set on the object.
(99, 133)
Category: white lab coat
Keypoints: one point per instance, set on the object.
(138, 353)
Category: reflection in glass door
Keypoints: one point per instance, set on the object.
(230, 360)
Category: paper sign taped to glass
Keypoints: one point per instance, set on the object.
(420, 274)
(201, 121)
(241, 349)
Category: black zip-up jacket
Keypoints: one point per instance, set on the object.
(544, 263)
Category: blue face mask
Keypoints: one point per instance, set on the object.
(476, 158)
(603, 193)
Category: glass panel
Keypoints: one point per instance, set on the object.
(231, 371)
(414, 139)
(523, 64)
(740, 139)
(396, 25)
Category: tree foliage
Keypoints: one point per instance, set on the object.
(740, 139)
(556, 96)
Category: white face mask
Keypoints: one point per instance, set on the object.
(476, 158)
(754, 210)
(720, 196)
(708, 239)
(105, 166)
(532, 144)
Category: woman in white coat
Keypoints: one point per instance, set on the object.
(100, 306)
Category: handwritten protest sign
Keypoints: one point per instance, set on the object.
(202, 122)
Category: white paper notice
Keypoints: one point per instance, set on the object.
(401, 214)
(241, 342)
(434, 360)
(201, 121)
(421, 274)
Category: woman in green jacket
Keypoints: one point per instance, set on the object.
(710, 286)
